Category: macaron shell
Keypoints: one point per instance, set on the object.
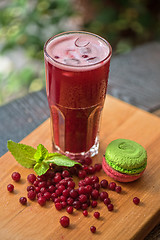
(120, 177)
(126, 156)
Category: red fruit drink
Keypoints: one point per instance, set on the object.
(77, 68)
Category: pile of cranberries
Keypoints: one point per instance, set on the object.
(58, 185)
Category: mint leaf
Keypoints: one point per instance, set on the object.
(41, 153)
(52, 155)
(61, 160)
(23, 154)
(41, 168)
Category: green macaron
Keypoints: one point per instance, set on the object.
(126, 156)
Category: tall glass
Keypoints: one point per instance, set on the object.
(77, 68)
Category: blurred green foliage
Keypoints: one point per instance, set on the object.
(125, 23)
(27, 24)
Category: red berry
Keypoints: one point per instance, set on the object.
(94, 204)
(16, 176)
(69, 209)
(110, 207)
(36, 183)
(58, 206)
(104, 183)
(88, 181)
(66, 192)
(96, 186)
(64, 204)
(23, 200)
(88, 161)
(31, 195)
(107, 201)
(93, 229)
(71, 184)
(10, 187)
(136, 200)
(118, 189)
(97, 215)
(112, 186)
(98, 167)
(30, 188)
(85, 213)
(82, 198)
(82, 174)
(91, 170)
(77, 205)
(65, 173)
(70, 201)
(84, 206)
(64, 221)
(74, 193)
(103, 195)
(95, 194)
(57, 178)
(81, 190)
(88, 189)
(43, 190)
(95, 179)
(51, 188)
(31, 178)
(47, 195)
(41, 201)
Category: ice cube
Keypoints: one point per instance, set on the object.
(81, 42)
(85, 50)
(71, 61)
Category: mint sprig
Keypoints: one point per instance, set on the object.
(39, 159)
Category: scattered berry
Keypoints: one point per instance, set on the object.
(16, 176)
(23, 200)
(110, 207)
(58, 206)
(93, 229)
(136, 200)
(31, 195)
(10, 187)
(103, 195)
(107, 201)
(41, 200)
(85, 213)
(104, 183)
(64, 221)
(97, 215)
(69, 209)
(112, 186)
(94, 204)
(118, 189)
(31, 178)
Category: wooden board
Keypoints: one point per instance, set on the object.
(127, 221)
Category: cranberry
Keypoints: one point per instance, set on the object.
(23, 200)
(62, 198)
(136, 200)
(57, 178)
(91, 170)
(16, 176)
(82, 198)
(42, 184)
(118, 189)
(70, 201)
(37, 189)
(85, 168)
(64, 204)
(97, 215)
(51, 188)
(61, 188)
(88, 189)
(96, 186)
(95, 194)
(71, 184)
(63, 182)
(81, 190)
(95, 179)
(58, 206)
(110, 207)
(103, 195)
(48, 183)
(65, 193)
(77, 205)
(57, 200)
(47, 195)
(98, 167)
(88, 161)
(69, 209)
(58, 192)
(64, 221)
(30, 188)
(36, 183)
(10, 187)
(81, 183)
(93, 229)
(74, 193)
(94, 204)
(112, 186)
(65, 173)
(104, 183)
(43, 190)
(53, 196)
(31, 178)
(82, 174)
(88, 181)
(31, 195)
(85, 213)
(41, 201)
(107, 201)
(41, 178)
(39, 195)
(81, 161)
(84, 206)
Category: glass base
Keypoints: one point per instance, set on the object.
(77, 156)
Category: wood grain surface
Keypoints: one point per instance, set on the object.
(127, 221)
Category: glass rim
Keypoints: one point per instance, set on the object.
(77, 66)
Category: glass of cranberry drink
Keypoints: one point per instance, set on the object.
(77, 68)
